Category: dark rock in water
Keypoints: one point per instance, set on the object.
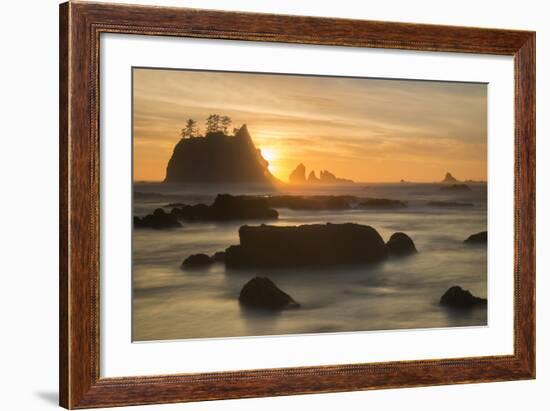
(382, 203)
(312, 202)
(456, 297)
(306, 245)
(449, 178)
(219, 256)
(226, 208)
(456, 187)
(197, 261)
(400, 244)
(158, 220)
(449, 204)
(261, 292)
(298, 175)
(218, 158)
(478, 238)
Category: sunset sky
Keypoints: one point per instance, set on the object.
(368, 130)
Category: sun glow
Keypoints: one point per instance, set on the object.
(269, 154)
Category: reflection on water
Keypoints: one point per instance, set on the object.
(400, 293)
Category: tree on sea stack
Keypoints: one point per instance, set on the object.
(225, 123)
(190, 130)
(213, 123)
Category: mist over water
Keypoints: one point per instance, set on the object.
(399, 293)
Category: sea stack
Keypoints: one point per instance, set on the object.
(449, 178)
(312, 178)
(298, 176)
(218, 158)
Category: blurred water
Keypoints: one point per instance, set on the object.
(400, 293)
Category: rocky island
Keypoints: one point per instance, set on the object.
(219, 158)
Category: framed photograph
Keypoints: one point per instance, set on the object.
(258, 205)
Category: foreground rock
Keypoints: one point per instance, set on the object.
(219, 257)
(226, 208)
(456, 187)
(400, 244)
(197, 261)
(478, 238)
(261, 292)
(306, 245)
(158, 220)
(382, 203)
(456, 297)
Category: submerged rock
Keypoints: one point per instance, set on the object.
(197, 261)
(456, 187)
(478, 238)
(382, 203)
(401, 244)
(158, 220)
(449, 204)
(261, 292)
(320, 202)
(306, 245)
(456, 297)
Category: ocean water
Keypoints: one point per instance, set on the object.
(399, 293)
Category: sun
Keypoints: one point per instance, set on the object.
(268, 154)
(271, 156)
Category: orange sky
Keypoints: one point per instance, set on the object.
(368, 130)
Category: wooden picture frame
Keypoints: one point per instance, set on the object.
(80, 27)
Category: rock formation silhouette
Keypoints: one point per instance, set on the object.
(226, 208)
(456, 297)
(400, 244)
(449, 178)
(312, 178)
(218, 158)
(298, 175)
(305, 245)
(478, 238)
(261, 292)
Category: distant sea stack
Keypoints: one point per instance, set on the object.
(218, 158)
(298, 176)
(449, 178)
